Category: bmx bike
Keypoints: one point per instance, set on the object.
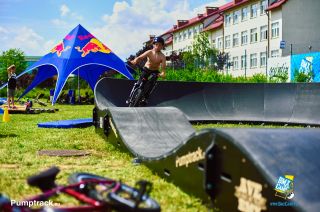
(141, 90)
(95, 192)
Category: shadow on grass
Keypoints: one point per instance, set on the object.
(8, 135)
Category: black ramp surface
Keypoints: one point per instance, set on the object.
(297, 103)
(151, 132)
(277, 152)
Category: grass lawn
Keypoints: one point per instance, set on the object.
(21, 139)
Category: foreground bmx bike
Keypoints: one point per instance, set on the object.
(95, 192)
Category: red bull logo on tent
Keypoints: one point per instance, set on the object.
(94, 45)
(59, 48)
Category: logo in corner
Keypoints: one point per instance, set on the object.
(284, 187)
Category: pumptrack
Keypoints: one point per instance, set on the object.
(292, 103)
(235, 169)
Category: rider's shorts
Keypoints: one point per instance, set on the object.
(147, 72)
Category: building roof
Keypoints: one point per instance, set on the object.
(219, 21)
(276, 4)
(198, 19)
(215, 24)
(169, 40)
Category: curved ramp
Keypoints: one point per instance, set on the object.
(149, 133)
(234, 167)
(262, 156)
(296, 103)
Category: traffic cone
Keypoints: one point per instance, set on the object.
(6, 117)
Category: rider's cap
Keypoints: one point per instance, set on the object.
(158, 40)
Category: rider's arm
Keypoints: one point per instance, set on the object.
(137, 59)
(163, 67)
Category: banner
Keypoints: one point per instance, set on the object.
(279, 67)
(306, 63)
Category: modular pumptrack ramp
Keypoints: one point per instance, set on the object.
(235, 169)
(293, 103)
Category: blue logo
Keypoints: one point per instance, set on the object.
(284, 187)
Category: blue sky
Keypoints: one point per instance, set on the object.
(35, 26)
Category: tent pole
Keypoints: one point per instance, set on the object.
(79, 86)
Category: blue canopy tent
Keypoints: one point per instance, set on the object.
(80, 53)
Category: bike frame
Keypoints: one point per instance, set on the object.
(146, 85)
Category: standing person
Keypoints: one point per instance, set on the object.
(155, 60)
(12, 84)
(51, 94)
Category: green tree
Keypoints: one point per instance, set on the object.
(202, 50)
(9, 57)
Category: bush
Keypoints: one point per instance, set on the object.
(259, 78)
(208, 75)
(303, 76)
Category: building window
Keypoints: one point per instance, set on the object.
(200, 28)
(195, 31)
(275, 53)
(254, 10)
(235, 39)
(228, 20)
(236, 17)
(235, 63)
(228, 41)
(220, 43)
(253, 35)
(185, 35)
(253, 60)
(190, 33)
(245, 13)
(275, 30)
(263, 59)
(263, 33)
(263, 6)
(180, 36)
(243, 62)
(176, 38)
(244, 37)
(213, 43)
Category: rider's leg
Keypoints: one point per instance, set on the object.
(151, 84)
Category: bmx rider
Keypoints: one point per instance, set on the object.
(155, 60)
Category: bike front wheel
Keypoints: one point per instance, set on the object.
(136, 98)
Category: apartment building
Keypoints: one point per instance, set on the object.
(251, 32)
(244, 37)
(184, 31)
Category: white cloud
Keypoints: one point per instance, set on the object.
(68, 18)
(124, 30)
(3, 30)
(202, 8)
(130, 24)
(26, 39)
(76, 17)
(64, 9)
(59, 22)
